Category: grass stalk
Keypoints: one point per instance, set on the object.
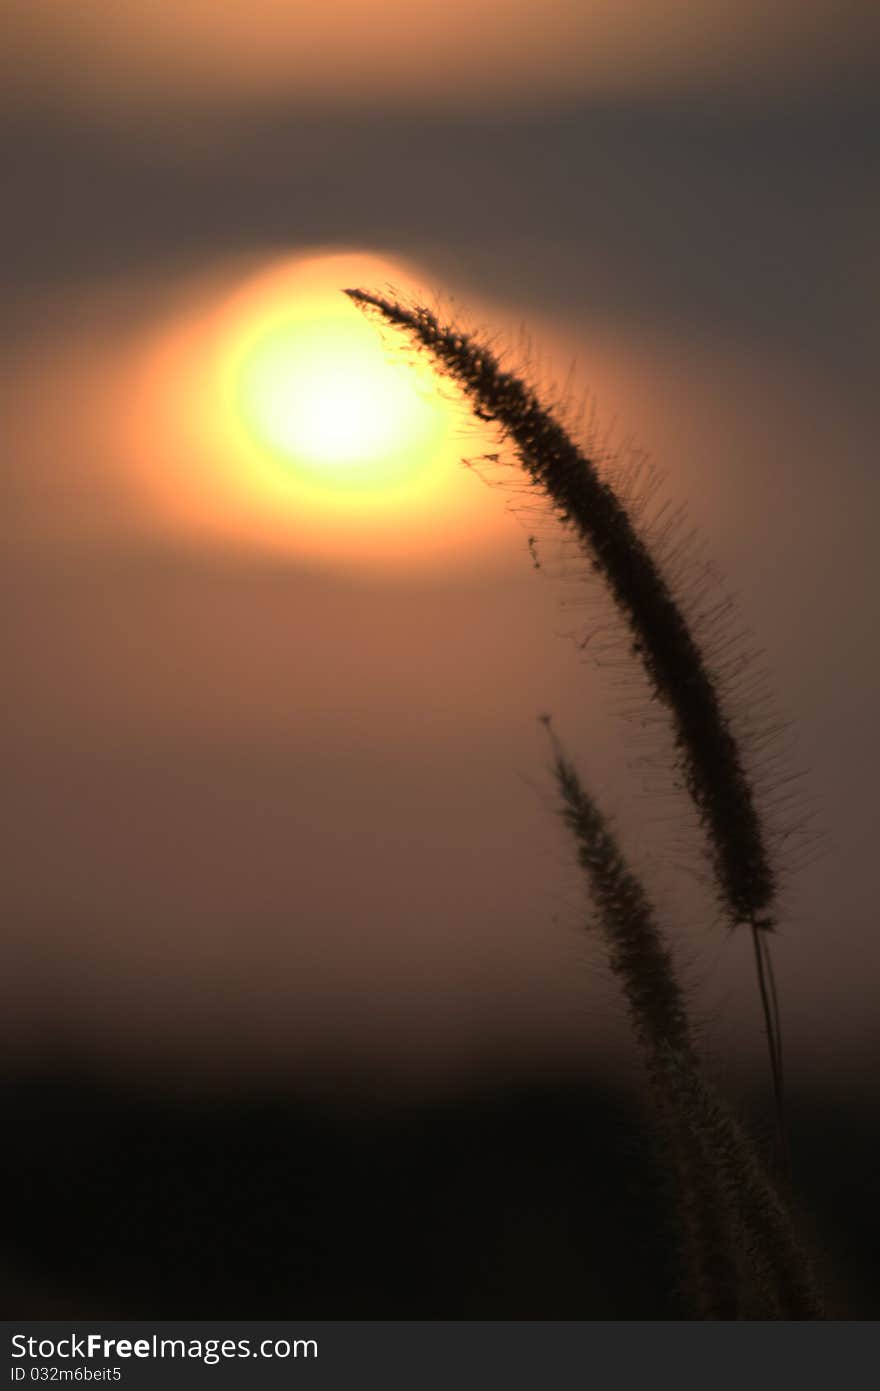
(738, 1242)
(678, 674)
(640, 959)
(778, 1264)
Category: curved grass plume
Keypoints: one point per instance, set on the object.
(677, 671)
(738, 1246)
(661, 636)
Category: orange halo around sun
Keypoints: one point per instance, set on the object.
(279, 416)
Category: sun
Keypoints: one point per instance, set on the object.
(316, 389)
(317, 404)
(271, 413)
(318, 397)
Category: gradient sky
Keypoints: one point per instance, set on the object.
(150, 53)
(293, 808)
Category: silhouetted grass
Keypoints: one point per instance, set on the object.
(739, 1248)
(641, 961)
(771, 1254)
(677, 670)
(736, 1235)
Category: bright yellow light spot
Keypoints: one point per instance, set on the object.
(280, 416)
(323, 395)
(321, 402)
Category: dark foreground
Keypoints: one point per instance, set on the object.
(536, 1201)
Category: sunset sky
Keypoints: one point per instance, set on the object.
(276, 793)
(151, 53)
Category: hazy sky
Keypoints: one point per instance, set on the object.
(281, 806)
(149, 53)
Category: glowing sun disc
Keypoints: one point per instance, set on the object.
(320, 393)
(280, 416)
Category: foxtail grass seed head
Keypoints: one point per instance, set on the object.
(680, 676)
(677, 671)
(739, 1250)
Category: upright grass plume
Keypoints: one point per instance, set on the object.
(738, 1246)
(677, 671)
(777, 1264)
(639, 958)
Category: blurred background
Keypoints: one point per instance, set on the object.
(299, 1008)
